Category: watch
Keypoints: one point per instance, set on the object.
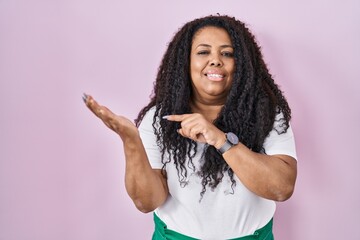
(231, 140)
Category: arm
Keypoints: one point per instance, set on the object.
(272, 177)
(147, 187)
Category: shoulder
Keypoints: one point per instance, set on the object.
(281, 138)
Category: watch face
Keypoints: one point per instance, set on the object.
(232, 138)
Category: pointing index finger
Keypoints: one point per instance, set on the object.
(175, 118)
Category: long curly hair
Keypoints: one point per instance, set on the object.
(249, 111)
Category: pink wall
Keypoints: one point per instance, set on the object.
(61, 171)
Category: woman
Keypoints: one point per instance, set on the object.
(213, 150)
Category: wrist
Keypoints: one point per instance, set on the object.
(221, 141)
(230, 140)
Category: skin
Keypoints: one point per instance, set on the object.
(211, 68)
(272, 177)
(148, 190)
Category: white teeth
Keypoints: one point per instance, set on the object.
(215, 75)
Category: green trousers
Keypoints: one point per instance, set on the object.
(163, 233)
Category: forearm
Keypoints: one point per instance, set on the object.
(271, 177)
(145, 186)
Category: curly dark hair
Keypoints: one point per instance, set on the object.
(249, 111)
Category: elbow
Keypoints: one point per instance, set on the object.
(143, 207)
(284, 194)
(145, 210)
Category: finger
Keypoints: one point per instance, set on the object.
(189, 130)
(176, 118)
(100, 111)
(194, 133)
(90, 103)
(181, 132)
(86, 98)
(196, 137)
(185, 132)
(112, 124)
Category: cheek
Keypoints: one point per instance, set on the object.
(231, 66)
(195, 72)
(195, 66)
(231, 71)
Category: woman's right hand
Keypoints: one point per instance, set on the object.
(119, 124)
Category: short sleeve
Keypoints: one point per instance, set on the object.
(148, 138)
(283, 143)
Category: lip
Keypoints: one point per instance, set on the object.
(215, 75)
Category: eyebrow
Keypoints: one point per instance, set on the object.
(207, 45)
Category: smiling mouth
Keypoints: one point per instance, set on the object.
(214, 76)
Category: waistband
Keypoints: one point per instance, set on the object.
(163, 233)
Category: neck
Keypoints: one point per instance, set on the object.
(209, 110)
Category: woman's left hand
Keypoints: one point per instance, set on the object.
(196, 127)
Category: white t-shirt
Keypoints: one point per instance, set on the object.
(222, 213)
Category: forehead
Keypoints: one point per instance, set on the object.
(211, 35)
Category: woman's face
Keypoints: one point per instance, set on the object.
(212, 65)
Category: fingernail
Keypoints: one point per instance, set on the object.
(165, 117)
(84, 97)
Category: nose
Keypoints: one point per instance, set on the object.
(216, 61)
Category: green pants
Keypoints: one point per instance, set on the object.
(163, 233)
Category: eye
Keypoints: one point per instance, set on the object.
(203, 52)
(227, 54)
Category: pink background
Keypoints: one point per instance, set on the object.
(62, 171)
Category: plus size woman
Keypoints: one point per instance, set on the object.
(213, 150)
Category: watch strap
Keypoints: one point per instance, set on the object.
(231, 140)
(226, 146)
